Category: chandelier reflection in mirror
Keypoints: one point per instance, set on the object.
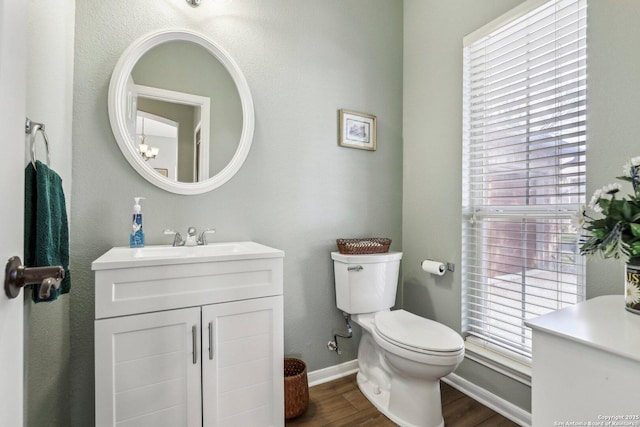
(146, 151)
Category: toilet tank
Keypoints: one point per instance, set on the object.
(366, 283)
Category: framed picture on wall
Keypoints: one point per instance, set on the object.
(357, 130)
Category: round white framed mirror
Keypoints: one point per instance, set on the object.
(181, 111)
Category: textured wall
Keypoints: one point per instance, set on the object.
(613, 109)
(297, 191)
(49, 101)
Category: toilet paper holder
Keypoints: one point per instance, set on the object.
(437, 267)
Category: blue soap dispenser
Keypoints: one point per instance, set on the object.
(136, 239)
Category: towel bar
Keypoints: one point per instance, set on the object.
(31, 129)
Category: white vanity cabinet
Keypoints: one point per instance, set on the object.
(586, 365)
(241, 378)
(144, 371)
(189, 341)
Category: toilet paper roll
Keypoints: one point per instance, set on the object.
(434, 267)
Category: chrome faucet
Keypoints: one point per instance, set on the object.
(191, 239)
(177, 238)
(202, 240)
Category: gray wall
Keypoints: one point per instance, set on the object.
(432, 135)
(50, 100)
(298, 190)
(613, 112)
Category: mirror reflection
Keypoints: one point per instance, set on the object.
(184, 111)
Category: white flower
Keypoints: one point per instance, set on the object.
(634, 162)
(611, 188)
(632, 294)
(578, 219)
(594, 200)
(626, 169)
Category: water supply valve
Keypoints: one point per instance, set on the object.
(333, 345)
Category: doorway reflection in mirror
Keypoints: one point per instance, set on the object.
(147, 151)
(160, 136)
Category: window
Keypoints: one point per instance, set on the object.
(524, 143)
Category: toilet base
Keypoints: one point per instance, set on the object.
(380, 399)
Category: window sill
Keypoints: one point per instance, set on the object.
(482, 353)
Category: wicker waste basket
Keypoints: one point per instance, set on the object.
(296, 388)
(370, 245)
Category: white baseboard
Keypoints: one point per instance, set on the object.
(490, 400)
(332, 372)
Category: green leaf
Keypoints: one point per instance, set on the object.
(635, 229)
(626, 211)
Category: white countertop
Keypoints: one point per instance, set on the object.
(149, 256)
(601, 323)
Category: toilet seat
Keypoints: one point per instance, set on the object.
(415, 333)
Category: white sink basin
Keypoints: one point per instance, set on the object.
(165, 254)
(192, 251)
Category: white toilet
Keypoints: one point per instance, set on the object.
(401, 356)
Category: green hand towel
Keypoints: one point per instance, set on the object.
(46, 231)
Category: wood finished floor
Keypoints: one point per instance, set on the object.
(340, 403)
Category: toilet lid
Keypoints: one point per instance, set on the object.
(409, 330)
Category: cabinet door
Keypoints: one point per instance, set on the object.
(147, 370)
(242, 368)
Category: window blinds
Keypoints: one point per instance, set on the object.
(523, 170)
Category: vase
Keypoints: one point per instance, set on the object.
(632, 286)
